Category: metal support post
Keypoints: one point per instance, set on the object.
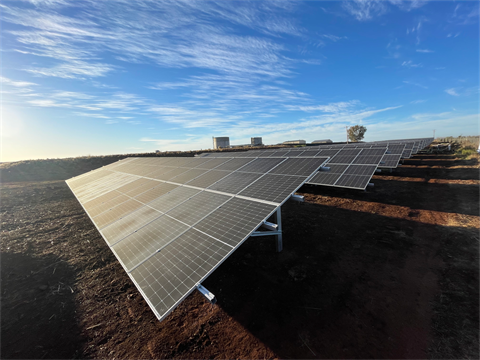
(279, 237)
(299, 198)
(208, 295)
(274, 229)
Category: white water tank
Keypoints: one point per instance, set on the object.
(256, 141)
(221, 142)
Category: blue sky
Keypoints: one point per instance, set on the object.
(109, 77)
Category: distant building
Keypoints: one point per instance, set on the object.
(294, 142)
(326, 141)
(256, 141)
(157, 151)
(221, 142)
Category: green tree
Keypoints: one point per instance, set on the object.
(356, 133)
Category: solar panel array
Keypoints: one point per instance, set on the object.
(360, 163)
(171, 221)
(352, 177)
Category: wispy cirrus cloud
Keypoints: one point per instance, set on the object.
(452, 91)
(425, 51)
(169, 33)
(93, 115)
(333, 38)
(333, 120)
(417, 101)
(415, 84)
(408, 5)
(462, 91)
(329, 108)
(466, 13)
(410, 64)
(47, 2)
(364, 10)
(20, 84)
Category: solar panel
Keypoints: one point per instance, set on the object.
(235, 220)
(157, 191)
(262, 165)
(328, 177)
(369, 159)
(108, 204)
(353, 181)
(129, 224)
(211, 163)
(169, 276)
(188, 175)
(116, 212)
(173, 198)
(203, 203)
(146, 241)
(233, 164)
(360, 170)
(271, 187)
(390, 161)
(99, 200)
(235, 182)
(209, 178)
(153, 224)
(299, 166)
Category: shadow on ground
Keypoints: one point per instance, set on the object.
(38, 308)
(350, 285)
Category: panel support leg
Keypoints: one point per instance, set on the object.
(207, 294)
(279, 236)
(275, 229)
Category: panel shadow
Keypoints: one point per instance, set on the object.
(38, 308)
(348, 284)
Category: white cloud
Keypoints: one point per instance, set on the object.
(417, 101)
(173, 34)
(338, 107)
(74, 70)
(364, 10)
(99, 116)
(409, 4)
(334, 120)
(462, 91)
(424, 51)
(333, 38)
(409, 64)
(20, 84)
(422, 124)
(452, 92)
(368, 9)
(47, 2)
(415, 84)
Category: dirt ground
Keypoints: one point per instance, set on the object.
(387, 273)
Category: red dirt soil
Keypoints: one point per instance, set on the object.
(387, 273)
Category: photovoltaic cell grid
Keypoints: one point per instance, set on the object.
(350, 168)
(362, 160)
(171, 221)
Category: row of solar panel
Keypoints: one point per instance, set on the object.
(359, 165)
(404, 147)
(172, 221)
(344, 154)
(169, 236)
